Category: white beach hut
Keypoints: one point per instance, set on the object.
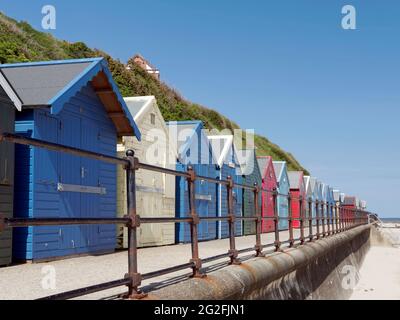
(155, 192)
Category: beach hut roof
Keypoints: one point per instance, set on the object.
(313, 183)
(263, 163)
(138, 105)
(348, 200)
(307, 183)
(52, 84)
(295, 179)
(247, 161)
(336, 195)
(221, 145)
(279, 167)
(190, 127)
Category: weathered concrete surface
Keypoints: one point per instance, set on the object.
(312, 271)
(25, 281)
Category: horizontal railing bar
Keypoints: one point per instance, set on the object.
(58, 147)
(213, 180)
(88, 290)
(165, 271)
(243, 186)
(26, 222)
(248, 218)
(216, 257)
(214, 218)
(150, 167)
(165, 220)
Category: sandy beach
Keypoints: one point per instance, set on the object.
(380, 272)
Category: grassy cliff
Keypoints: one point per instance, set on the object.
(19, 42)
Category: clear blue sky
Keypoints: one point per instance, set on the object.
(285, 68)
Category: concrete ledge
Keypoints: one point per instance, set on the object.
(311, 271)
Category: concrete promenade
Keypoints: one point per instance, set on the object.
(25, 281)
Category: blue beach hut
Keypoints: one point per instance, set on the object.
(252, 174)
(331, 201)
(307, 197)
(74, 103)
(315, 195)
(194, 150)
(282, 178)
(325, 198)
(227, 164)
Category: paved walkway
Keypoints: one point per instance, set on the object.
(25, 281)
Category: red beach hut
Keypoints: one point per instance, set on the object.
(269, 184)
(349, 203)
(297, 191)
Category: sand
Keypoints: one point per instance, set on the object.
(380, 272)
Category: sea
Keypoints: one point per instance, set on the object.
(390, 220)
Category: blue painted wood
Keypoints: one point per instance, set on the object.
(203, 166)
(231, 167)
(282, 199)
(82, 123)
(250, 179)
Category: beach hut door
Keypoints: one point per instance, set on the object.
(89, 171)
(70, 174)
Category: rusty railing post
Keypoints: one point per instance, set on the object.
(328, 218)
(347, 219)
(323, 218)
(318, 217)
(196, 261)
(342, 218)
(337, 219)
(333, 219)
(355, 217)
(290, 220)
(233, 253)
(258, 246)
(133, 274)
(310, 220)
(277, 242)
(302, 216)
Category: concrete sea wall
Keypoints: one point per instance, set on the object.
(324, 269)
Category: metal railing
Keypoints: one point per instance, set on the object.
(331, 218)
